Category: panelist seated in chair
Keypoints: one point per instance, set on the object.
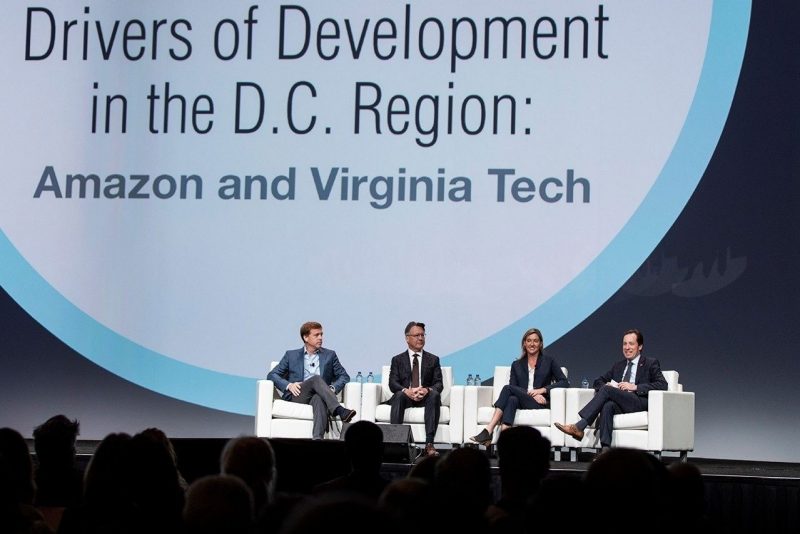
(313, 375)
(532, 377)
(415, 378)
(622, 389)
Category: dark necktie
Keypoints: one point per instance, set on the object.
(415, 372)
(627, 376)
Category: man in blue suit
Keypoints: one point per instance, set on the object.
(622, 389)
(313, 375)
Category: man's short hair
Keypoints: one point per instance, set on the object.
(412, 324)
(307, 327)
(639, 336)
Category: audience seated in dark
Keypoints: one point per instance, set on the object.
(687, 493)
(523, 459)
(155, 483)
(559, 495)
(218, 504)
(424, 468)
(253, 461)
(17, 489)
(364, 447)
(107, 505)
(629, 481)
(409, 503)
(331, 512)
(59, 482)
(463, 490)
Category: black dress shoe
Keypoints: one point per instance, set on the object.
(348, 415)
(484, 438)
(430, 450)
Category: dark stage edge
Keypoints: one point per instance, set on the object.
(741, 496)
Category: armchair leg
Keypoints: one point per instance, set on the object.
(684, 456)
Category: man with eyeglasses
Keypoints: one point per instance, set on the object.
(415, 378)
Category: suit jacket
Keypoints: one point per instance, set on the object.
(290, 369)
(430, 372)
(548, 374)
(648, 375)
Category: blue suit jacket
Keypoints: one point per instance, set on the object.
(648, 376)
(290, 369)
(548, 374)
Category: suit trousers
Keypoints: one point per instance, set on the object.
(608, 402)
(512, 398)
(432, 403)
(323, 401)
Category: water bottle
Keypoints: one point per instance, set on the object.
(470, 382)
(359, 378)
(477, 379)
(585, 383)
(370, 377)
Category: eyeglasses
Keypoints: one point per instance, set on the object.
(418, 336)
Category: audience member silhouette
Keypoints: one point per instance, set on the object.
(523, 459)
(253, 461)
(326, 512)
(463, 489)
(409, 503)
(155, 483)
(629, 481)
(158, 436)
(17, 489)
(425, 468)
(687, 493)
(107, 505)
(364, 447)
(59, 482)
(559, 495)
(218, 504)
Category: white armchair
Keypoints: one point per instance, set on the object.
(479, 408)
(667, 425)
(277, 418)
(451, 416)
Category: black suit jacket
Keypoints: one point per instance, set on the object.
(648, 376)
(548, 374)
(430, 372)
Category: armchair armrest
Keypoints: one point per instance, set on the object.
(457, 414)
(475, 397)
(351, 398)
(370, 399)
(576, 398)
(265, 393)
(558, 412)
(670, 421)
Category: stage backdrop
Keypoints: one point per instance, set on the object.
(185, 183)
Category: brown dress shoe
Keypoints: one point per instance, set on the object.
(570, 430)
(430, 450)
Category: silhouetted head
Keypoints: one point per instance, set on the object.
(251, 459)
(54, 441)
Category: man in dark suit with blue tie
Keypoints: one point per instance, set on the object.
(313, 375)
(415, 378)
(622, 389)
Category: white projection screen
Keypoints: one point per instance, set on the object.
(186, 182)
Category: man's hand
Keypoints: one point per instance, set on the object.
(294, 388)
(627, 386)
(416, 394)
